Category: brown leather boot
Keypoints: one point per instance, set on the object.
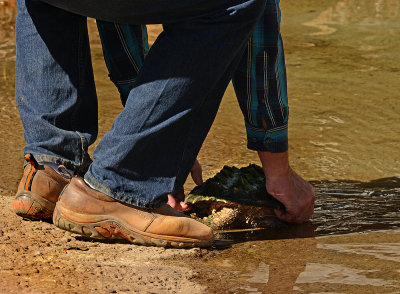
(83, 210)
(38, 191)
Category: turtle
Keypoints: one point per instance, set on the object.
(235, 198)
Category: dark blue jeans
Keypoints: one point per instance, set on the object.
(259, 80)
(154, 141)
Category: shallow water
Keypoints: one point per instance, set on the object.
(351, 263)
(343, 81)
(342, 207)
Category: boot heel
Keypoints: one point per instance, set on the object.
(26, 205)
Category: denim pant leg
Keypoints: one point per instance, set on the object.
(260, 85)
(124, 49)
(259, 82)
(54, 84)
(153, 142)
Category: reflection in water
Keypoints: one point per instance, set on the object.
(293, 259)
(265, 267)
(346, 207)
(383, 251)
(353, 263)
(343, 87)
(338, 274)
(349, 11)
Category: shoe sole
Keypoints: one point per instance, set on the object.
(32, 206)
(107, 227)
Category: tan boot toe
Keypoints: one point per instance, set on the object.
(88, 212)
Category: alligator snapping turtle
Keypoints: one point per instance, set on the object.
(234, 199)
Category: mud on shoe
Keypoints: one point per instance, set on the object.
(85, 211)
(38, 190)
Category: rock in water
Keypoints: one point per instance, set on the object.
(234, 199)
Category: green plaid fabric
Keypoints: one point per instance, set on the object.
(124, 50)
(260, 85)
(259, 81)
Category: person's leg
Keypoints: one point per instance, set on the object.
(57, 102)
(54, 85)
(146, 153)
(89, 212)
(154, 141)
(124, 47)
(140, 160)
(260, 84)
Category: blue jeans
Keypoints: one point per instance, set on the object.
(154, 141)
(259, 80)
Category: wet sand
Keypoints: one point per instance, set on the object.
(343, 71)
(354, 263)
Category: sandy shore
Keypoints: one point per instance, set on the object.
(37, 257)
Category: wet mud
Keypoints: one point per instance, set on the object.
(343, 70)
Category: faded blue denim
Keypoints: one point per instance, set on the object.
(259, 80)
(154, 141)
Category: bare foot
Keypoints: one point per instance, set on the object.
(177, 200)
(284, 184)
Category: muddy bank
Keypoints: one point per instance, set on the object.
(37, 257)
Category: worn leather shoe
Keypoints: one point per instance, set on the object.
(38, 191)
(83, 210)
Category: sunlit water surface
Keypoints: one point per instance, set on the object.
(343, 66)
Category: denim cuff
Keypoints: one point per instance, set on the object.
(77, 168)
(275, 141)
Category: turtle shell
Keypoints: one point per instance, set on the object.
(234, 198)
